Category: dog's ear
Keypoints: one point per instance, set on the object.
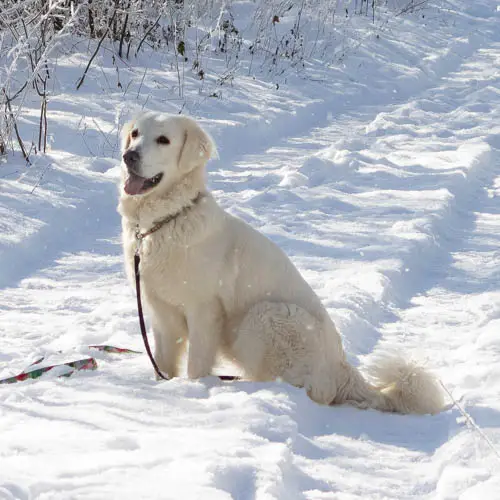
(197, 148)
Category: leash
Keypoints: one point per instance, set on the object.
(81, 364)
(137, 261)
(74, 366)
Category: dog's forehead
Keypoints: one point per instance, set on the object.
(157, 123)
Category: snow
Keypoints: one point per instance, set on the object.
(379, 177)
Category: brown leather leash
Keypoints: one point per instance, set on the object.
(139, 236)
(137, 260)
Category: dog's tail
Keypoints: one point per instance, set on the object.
(393, 384)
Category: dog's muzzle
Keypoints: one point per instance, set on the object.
(132, 159)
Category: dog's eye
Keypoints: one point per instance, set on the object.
(162, 140)
(134, 133)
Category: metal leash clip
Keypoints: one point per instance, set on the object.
(138, 239)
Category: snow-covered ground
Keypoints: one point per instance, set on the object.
(380, 178)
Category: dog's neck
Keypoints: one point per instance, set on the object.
(145, 211)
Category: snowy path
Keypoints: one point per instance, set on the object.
(391, 212)
(417, 200)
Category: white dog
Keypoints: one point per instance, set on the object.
(210, 278)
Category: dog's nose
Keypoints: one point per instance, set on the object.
(131, 158)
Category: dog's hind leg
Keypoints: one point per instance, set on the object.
(279, 340)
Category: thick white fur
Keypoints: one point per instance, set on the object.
(210, 278)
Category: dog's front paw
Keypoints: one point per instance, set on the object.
(196, 371)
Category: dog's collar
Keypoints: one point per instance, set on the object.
(139, 235)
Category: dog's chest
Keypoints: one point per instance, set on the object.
(175, 273)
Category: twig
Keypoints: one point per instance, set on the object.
(142, 81)
(80, 82)
(124, 30)
(40, 127)
(19, 91)
(10, 173)
(470, 420)
(45, 125)
(14, 122)
(146, 35)
(41, 177)
(113, 148)
(410, 7)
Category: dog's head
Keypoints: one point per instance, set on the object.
(159, 149)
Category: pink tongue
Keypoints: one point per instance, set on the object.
(134, 184)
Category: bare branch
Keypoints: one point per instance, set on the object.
(14, 124)
(82, 79)
(153, 26)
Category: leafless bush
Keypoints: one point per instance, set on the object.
(29, 31)
(278, 36)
